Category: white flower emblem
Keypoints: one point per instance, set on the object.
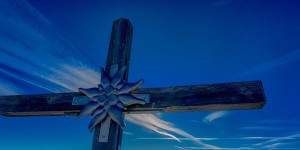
(109, 99)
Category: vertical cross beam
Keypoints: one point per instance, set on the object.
(118, 55)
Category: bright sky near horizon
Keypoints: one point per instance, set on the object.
(58, 46)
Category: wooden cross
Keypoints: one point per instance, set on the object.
(226, 96)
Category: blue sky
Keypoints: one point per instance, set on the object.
(58, 46)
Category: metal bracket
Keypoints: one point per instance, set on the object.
(83, 100)
(105, 125)
(80, 100)
(104, 130)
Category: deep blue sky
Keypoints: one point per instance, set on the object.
(57, 46)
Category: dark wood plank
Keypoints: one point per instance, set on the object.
(59, 104)
(120, 45)
(118, 54)
(224, 96)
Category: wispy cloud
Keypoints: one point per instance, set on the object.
(275, 142)
(7, 88)
(273, 125)
(276, 62)
(71, 77)
(179, 147)
(282, 146)
(283, 139)
(127, 133)
(268, 128)
(32, 52)
(278, 121)
(223, 148)
(163, 127)
(211, 139)
(215, 115)
(181, 139)
(195, 121)
(273, 146)
(284, 142)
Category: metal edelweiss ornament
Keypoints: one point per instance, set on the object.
(109, 99)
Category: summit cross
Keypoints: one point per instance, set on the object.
(115, 97)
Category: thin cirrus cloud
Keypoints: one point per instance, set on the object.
(265, 128)
(127, 133)
(215, 115)
(212, 139)
(277, 122)
(151, 122)
(273, 125)
(7, 89)
(281, 142)
(283, 139)
(223, 148)
(33, 53)
(268, 65)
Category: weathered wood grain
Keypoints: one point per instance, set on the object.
(118, 54)
(120, 45)
(224, 96)
(59, 104)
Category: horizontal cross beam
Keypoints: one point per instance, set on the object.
(225, 96)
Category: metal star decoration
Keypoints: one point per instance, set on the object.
(109, 99)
